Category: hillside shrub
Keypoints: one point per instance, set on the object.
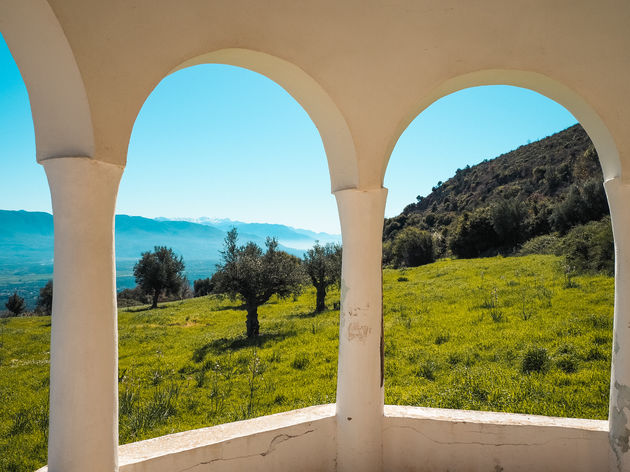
(412, 247)
(507, 217)
(474, 234)
(547, 244)
(15, 304)
(428, 369)
(300, 361)
(568, 363)
(535, 359)
(582, 204)
(45, 299)
(590, 247)
(595, 354)
(131, 297)
(203, 287)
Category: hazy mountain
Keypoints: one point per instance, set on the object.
(286, 235)
(26, 245)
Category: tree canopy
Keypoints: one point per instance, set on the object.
(160, 271)
(45, 299)
(323, 266)
(255, 276)
(15, 304)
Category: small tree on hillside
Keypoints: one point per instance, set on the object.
(255, 276)
(45, 299)
(160, 271)
(323, 265)
(15, 304)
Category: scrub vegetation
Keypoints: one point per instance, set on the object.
(501, 334)
(544, 188)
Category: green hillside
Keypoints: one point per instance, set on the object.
(503, 334)
(544, 187)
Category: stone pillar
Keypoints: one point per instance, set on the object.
(619, 413)
(83, 432)
(360, 373)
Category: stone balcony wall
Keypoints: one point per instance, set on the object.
(414, 439)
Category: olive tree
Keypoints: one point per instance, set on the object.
(254, 276)
(160, 271)
(15, 304)
(45, 299)
(323, 266)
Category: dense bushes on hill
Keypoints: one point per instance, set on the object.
(203, 287)
(581, 205)
(410, 248)
(590, 247)
(543, 188)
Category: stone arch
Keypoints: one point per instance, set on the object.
(59, 103)
(331, 124)
(616, 189)
(556, 91)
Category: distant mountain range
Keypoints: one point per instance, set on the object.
(26, 244)
(287, 236)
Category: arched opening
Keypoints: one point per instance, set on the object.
(26, 238)
(529, 334)
(215, 147)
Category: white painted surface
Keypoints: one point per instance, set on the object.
(414, 439)
(299, 440)
(618, 199)
(360, 395)
(431, 440)
(84, 339)
(59, 103)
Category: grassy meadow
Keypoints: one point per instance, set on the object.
(502, 334)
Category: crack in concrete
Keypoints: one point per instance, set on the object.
(276, 440)
(479, 443)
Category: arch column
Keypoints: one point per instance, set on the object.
(83, 431)
(618, 194)
(360, 372)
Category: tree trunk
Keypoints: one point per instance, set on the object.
(320, 304)
(252, 322)
(156, 295)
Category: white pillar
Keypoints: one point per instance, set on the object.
(84, 341)
(360, 372)
(619, 413)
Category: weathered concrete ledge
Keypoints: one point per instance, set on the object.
(414, 438)
(296, 440)
(432, 439)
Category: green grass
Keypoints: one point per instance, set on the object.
(466, 333)
(458, 334)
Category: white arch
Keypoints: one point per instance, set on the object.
(59, 104)
(331, 124)
(583, 112)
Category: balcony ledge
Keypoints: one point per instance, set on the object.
(422, 439)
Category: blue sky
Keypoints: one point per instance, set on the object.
(224, 142)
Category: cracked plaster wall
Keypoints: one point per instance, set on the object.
(302, 440)
(438, 440)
